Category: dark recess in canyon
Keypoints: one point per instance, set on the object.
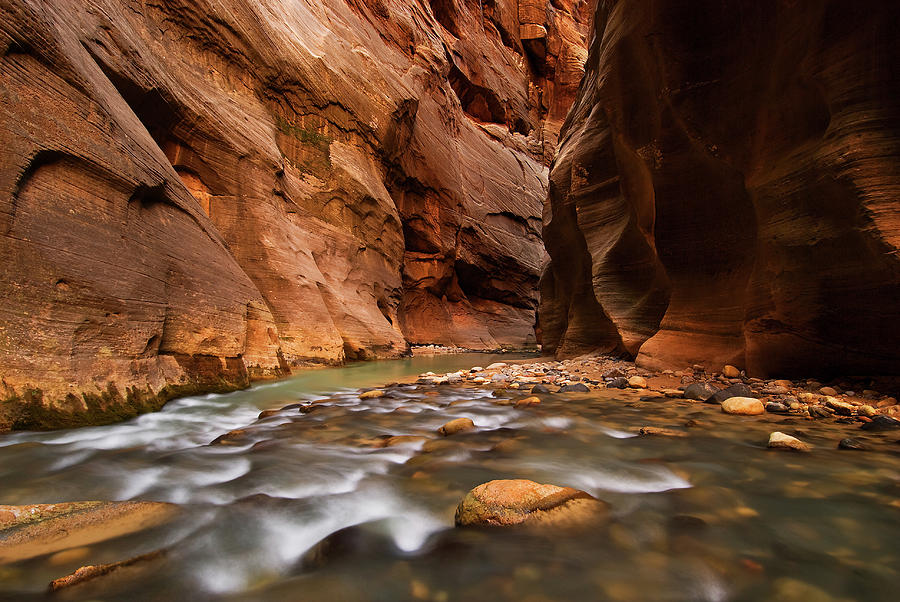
(727, 190)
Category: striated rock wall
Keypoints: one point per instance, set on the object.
(728, 189)
(196, 193)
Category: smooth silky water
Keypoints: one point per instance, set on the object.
(305, 506)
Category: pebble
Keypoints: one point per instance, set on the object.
(777, 408)
(739, 390)
(840, 407)
(779, 440)
(617, 383)
(528, 401)
(576, 388)
(700, 391)
(730, 372)
(829, 391)
(743, 406)
(373, 394)
(783, 383)
(637, 382)
(776, 391)
(660, 431)
(460, 425)
(819, 412)
(497, 366)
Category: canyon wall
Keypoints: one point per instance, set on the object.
(197, 193)
(727, 189)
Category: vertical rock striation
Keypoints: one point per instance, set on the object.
(194, 194)
(728, 189)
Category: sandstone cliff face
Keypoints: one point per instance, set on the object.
(197, 193)
(728, 189)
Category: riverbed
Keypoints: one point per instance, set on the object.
(310, 503)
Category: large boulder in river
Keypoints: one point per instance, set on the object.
(504, 503)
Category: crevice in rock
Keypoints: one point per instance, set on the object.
(447, 15)
(478, 102)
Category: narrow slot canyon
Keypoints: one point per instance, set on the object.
(449, 299)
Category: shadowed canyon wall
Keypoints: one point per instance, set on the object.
(727, 189)
(194, 194)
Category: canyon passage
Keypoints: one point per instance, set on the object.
(449, 299)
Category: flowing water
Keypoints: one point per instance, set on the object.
(307, 505)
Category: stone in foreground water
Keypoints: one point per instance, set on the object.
(504, 503)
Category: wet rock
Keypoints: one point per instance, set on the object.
(841, 408)
(540, 389)
(817, 411)
(700, 391)
(775, 407)
(460, 425)
(730, 372)
(504, 503)
(673, 393)
(396, 440)
(497, 366)
(528, 402)
(828, 391)
(617, 383)
(373, 394)
(575, 388)
(38, 529)
(737, 390)
(90, 572)
(779, 440)
(267, 413)
(235, 437)
(867, 410)
(661, 432)
(637, 382)
(613, 373)
(743, 406)
(775, 390)
(852, 444)
(881, 423)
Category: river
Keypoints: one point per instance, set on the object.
(305, 505)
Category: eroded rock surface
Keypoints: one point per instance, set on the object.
(194, 194)
(726, 189)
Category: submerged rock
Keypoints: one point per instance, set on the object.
(661, 431)
(373, 394)
(528, 401)
(90, 572)
(38, 529)
(504, 503)
(852, 444)
(778, 440)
